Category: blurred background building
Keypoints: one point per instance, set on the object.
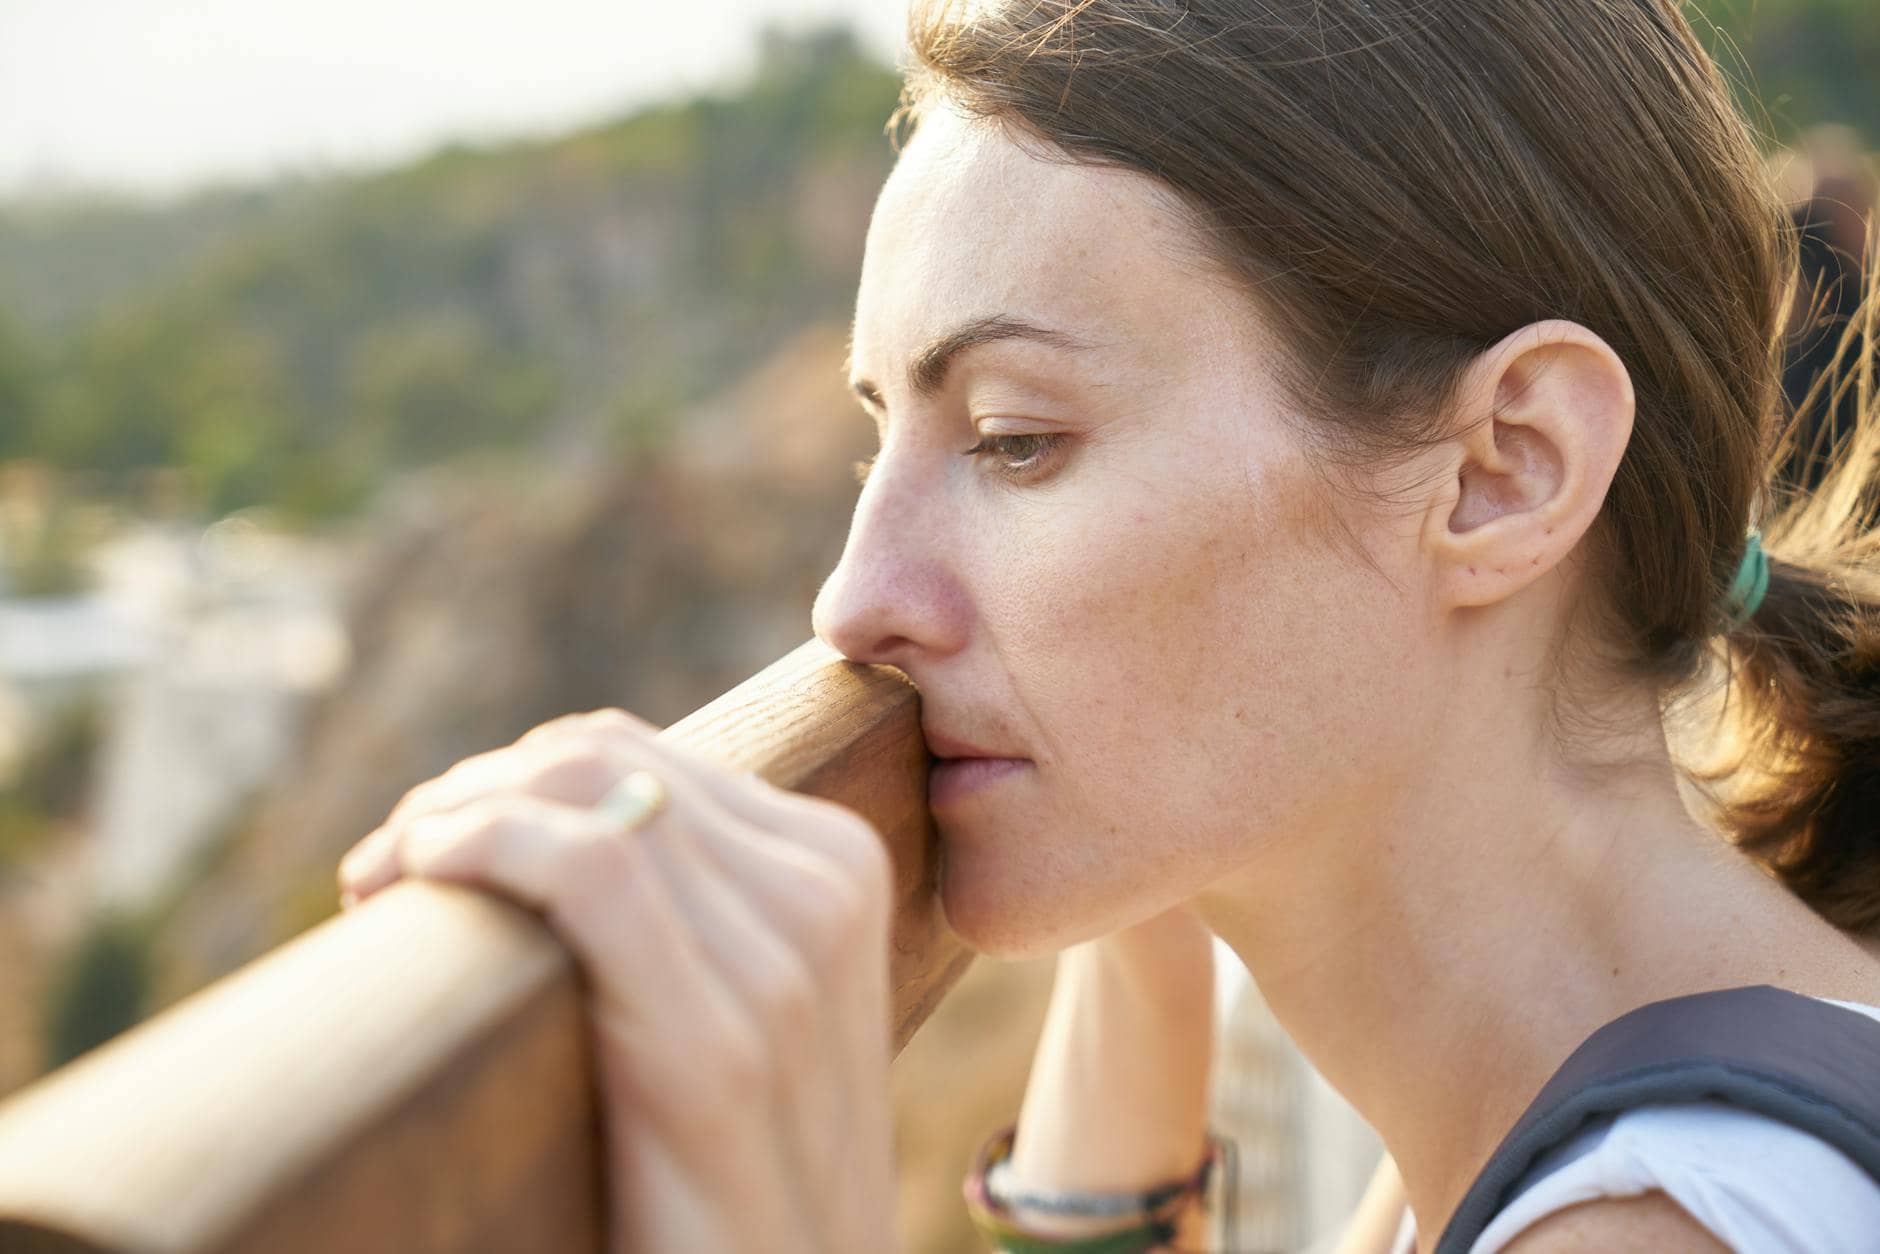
(376, 384)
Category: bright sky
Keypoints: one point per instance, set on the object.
(156, 95)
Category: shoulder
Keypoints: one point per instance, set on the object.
(1650, 1221)
(1698, 1176)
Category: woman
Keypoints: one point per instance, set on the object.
(1318, 441)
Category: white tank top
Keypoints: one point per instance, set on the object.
(1759, 1185)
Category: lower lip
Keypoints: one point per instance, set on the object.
(953, 779)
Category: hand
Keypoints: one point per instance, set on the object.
(736, 952)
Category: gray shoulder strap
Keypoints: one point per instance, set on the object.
(1803, 1061)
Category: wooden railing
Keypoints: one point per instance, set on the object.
(414, 1075)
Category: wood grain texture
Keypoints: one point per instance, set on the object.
(415, 1075)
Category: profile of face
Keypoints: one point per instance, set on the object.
(1139, 583)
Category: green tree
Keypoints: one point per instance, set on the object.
(100, 989)
(1805, 61)
(487, 297)
(425, 388)
(19, 391)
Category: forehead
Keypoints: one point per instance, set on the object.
(973, 222)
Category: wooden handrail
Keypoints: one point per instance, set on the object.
(414, 1075)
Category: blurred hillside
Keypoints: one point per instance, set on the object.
(297, 346)
(562, 424)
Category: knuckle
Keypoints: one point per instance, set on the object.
(483, 816)
(437, 790)
(575, 766)
(366, 851)
(614, 720)
(553, 729)
(427, 839)
(416, 799)
(610, 723)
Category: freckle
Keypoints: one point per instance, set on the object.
(1471, 570)
(1550, 531)
(1615, 970)
(1536, 561)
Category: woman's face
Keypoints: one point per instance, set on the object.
(1160, 606)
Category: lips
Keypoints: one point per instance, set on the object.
(962, 768)
(953, 780)
(942, 745)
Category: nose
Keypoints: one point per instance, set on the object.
(893, 597)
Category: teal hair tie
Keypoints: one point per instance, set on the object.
(1751, 582)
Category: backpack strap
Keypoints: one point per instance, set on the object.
(1797, 1059)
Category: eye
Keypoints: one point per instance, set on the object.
(1037, 450)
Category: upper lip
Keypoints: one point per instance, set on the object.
(944, 746)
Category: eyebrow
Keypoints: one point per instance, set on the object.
(927, 373)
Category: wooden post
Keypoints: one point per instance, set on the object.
(415, 1075)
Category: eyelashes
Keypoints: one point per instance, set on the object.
(1040, 449)
(1041, 446)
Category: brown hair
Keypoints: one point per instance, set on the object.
(1411, 181)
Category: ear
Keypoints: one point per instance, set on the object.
(1543, 418)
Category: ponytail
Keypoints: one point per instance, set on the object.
(1796, 773)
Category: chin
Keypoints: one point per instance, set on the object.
(997, 915)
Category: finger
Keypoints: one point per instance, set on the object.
(802, 906)
(545, 768)
(369, 865)
(802, 1016)
(720, 866)
(577, 757)
(526, 765)
(584, 877)
(574, 760)
(657, 993)
(569, 864)
(556, 858)
(744, 793)
(834, 918)
(372, 862)
(577, 774)
(734, 928)
(821, 826)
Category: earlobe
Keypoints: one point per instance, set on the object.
(1543, 419)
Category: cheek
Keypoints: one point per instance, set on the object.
(1199, 667)
(1100, 631)
(1184, 629)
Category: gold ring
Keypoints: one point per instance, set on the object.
(633, 802)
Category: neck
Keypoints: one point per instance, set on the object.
(1438, 950)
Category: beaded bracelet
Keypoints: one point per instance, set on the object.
(1155, 1213)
